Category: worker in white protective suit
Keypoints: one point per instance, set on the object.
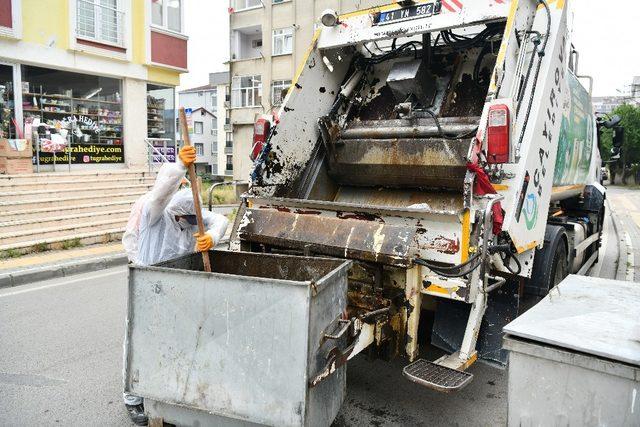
(163, 226)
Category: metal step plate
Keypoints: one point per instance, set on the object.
(437, 377)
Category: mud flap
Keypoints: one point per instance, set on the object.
(451, 320)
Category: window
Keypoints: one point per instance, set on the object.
(197, 128)
(247, 4)
(229, 165)
(279, 90)
(229, 140)
(246, 91)
(214, 100)
(100, 20)
(283, 41)
(199, 148)
(214, 128)
(214, 143)
(167, 14)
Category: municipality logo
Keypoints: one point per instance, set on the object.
(530, 210)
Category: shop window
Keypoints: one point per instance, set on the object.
(66, 111)
(282, 41)
(7, 110)
(100, 20)
(161, 116)
(199, 148)
(167, 14)
(279, 90)
(246, 91)
(198, 128)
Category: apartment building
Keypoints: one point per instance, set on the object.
(100, 74)
(268, 39)
(211, 123)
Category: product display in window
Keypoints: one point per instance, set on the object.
(79, 112)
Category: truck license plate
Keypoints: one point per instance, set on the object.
(413, 12)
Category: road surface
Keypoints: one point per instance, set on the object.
(61, 364)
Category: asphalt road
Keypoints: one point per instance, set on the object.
(61, 364)
(61, 356)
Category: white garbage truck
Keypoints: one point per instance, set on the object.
(447, 151)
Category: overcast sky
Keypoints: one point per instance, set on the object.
(604, 32)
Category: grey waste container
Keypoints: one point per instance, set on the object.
(236, 346)
(574, 358)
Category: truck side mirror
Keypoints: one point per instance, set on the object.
(613, 121)
(618, 141)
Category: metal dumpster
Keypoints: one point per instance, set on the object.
(236, 346)
(574, 358)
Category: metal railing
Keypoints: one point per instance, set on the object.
(159, 151)
(220, 184)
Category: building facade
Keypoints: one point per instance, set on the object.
(268, 40)
(218, 141)
(93, 80)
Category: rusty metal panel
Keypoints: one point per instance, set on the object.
(392, 236)
(240, 342)
(414, 162)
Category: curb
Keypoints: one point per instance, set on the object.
(52, 271)
(623, 253)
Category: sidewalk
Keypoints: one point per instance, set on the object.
(51, 264)
(624, 206)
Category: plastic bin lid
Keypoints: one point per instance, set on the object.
(596, 316)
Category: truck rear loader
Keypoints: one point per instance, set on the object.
(448, 150)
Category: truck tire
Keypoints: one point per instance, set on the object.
(550, 264)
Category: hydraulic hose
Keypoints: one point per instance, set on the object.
(444, 135)
(537, 73)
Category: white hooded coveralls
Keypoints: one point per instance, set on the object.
(153, 235)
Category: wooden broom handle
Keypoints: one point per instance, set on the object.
(194, 187)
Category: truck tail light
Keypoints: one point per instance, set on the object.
(260, 133)
(498, 134)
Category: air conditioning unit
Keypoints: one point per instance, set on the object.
(256, 43)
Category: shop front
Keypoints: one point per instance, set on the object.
(77, 119)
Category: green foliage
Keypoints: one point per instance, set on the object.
(73, 243)
(10, 253)
(40, 247)
(222, 195)
(631, 123)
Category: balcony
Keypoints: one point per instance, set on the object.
(246, 43)
(228, 127)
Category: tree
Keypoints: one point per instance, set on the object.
(630, 116)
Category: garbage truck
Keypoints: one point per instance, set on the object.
(434, 169)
